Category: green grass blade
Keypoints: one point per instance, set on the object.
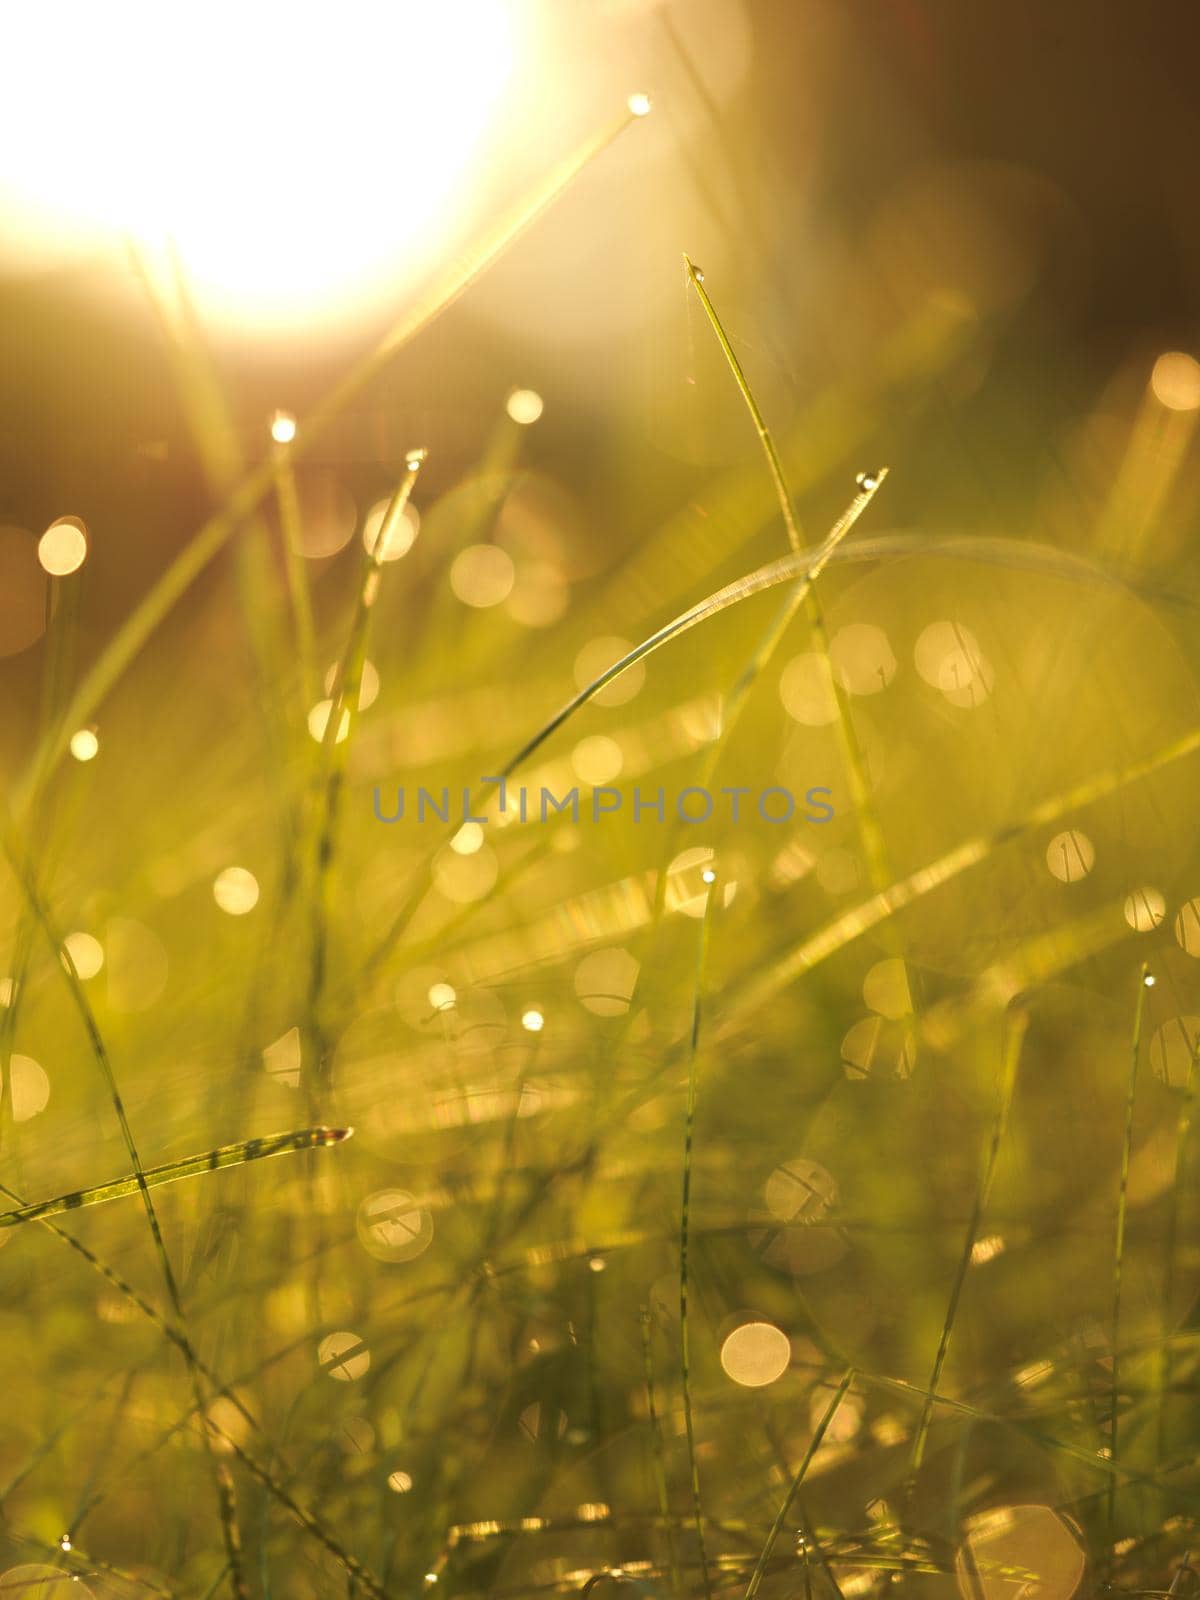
(1119, 1237)
(814, 1445)
(228, 1155)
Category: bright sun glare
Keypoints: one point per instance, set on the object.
(296, 159)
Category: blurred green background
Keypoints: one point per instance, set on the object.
(959, 241)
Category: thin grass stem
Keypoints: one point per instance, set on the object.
(689, 1129)
(1119, 1237)
(793, 1489)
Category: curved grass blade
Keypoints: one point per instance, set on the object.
(226, 1155)
(868, 914)
(764, 433)
(802, 565)
(869, 829)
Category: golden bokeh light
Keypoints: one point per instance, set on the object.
(1031, 1539)
(524, 406)
(343, 1356)
(442, 997)
(876, 1046)
(482, 575)
(85, 744)
(806, 691)
(235, 889)
(404, 529)
(886, 989)
(1070, 856)
(1187, 927)
(597, 759)
(1172, 1049)
(800, 1191)
(282, 1059)
(1175, 381)
(368, 685)
(846, 1420)
(1144, 909)
(468, 839)
(605, 981)
(756, 1354)
(85, 952)
(318, 721)
(325, 511)
(862, 657)
(28, 1087)
(393, 1227)
(687, 886)
(63, 547)
(283, 427)
(948, 657)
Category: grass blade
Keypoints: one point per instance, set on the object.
(1012, 1057)
(228, 1155)
(684, 1230)
(814, 1445)
(1119, 1239)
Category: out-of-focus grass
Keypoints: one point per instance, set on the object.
(482, 1348)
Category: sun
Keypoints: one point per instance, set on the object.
(297, 159)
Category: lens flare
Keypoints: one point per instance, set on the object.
(251, 139)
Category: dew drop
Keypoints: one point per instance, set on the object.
(639, 104)
(84, 744)
(867, 481)
(414, 458)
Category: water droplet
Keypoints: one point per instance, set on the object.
(524, 406)
(708, 875)
(867, 481)
(64, 1542)
(1148, 980)
(639, 104)
(414, 458)
(283, 427)
(84, 744)
(63, 547)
